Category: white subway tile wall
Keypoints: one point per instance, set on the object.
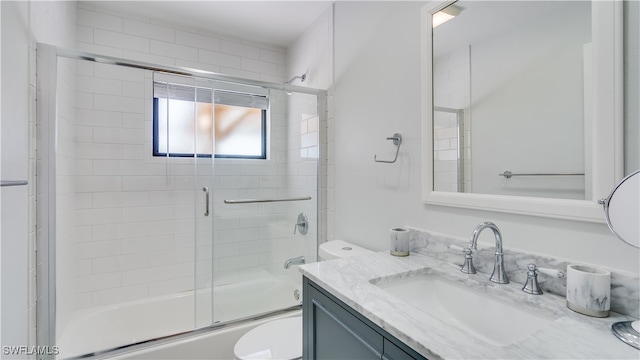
(127, 226)
(451, 144)
(99, 30)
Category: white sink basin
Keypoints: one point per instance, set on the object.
(499, 322)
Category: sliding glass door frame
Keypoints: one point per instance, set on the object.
(46, 110)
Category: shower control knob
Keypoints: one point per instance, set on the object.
(302, 224)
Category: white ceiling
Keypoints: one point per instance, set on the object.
(277, 23)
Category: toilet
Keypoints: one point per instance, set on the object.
(282, 339)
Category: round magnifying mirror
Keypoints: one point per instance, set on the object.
(622, 209)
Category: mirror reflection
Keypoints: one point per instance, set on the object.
(622, 209)
(511, 93)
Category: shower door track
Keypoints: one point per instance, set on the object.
(177, 70)
(120, 350)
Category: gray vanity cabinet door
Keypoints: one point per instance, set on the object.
(334, 333)
(333, 330)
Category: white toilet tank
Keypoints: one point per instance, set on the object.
(338, 249)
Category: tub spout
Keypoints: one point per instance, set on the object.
(294, 261)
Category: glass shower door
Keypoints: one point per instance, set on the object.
(204, 160)
(132, 244)
(183, 135)
(264, 144)
(256, 206)
(138, 204)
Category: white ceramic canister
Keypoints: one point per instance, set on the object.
(588, 290)
(399, 242)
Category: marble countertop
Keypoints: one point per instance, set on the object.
(569, 336)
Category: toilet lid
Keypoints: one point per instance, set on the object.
(278, 339)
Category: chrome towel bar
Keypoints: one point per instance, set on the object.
(251, 201)
(4, 183)
(508, 174)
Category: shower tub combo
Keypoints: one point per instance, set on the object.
(159, 239)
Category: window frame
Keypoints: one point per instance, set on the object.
(156, 144)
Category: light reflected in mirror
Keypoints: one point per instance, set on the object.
(511, 92)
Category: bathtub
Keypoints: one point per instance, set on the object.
(99, 329)
(216, 344)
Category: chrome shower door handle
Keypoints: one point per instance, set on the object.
(206, 200)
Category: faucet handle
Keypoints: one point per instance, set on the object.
(532, 286)
(551, 272)
(467, 267)
(302, 224)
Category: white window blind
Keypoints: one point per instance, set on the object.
(225, 93)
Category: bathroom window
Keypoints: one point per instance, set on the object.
(183, 123)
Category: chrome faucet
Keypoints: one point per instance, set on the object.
(294, 261)
(498, 276)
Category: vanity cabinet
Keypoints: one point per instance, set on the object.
(333, 330)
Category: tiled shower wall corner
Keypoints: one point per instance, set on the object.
(302, 180)
(312, 54)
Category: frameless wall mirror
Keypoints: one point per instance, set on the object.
(521, 107)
